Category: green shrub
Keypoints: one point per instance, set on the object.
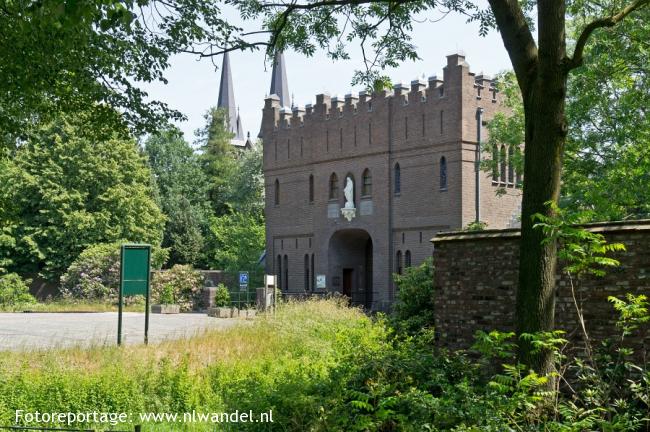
(413, 309)
(222, 296)
(95, 274)
(185, 282)
(167, 295)
(14, 290)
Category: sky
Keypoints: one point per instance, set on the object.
(193, 85)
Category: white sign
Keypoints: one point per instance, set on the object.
(321, 281)
(269, 280)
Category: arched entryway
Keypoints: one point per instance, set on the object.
(350, 265)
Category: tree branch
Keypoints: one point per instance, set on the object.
(610, 21)
(518, 41)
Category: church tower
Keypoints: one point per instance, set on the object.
(227, 103)
(279, 86)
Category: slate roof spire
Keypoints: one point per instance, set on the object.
(227, 100)
(279, 85)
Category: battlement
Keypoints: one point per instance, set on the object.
(457, 80)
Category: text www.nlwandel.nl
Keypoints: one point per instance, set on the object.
(114, 419)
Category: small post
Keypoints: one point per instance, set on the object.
(146, 302)
(119, 305)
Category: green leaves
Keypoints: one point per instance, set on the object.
(68, 191)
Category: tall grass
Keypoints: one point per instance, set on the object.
(280, 362)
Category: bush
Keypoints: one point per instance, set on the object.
(185, 282)
(95, 274)
(413, 310)
(222, 296)
(14, 290)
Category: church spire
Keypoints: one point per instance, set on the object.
(227, 100)
(279, 86)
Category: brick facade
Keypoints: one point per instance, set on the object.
(476, 277)
(415, 127)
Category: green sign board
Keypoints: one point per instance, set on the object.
(135, 265)
(135, 269)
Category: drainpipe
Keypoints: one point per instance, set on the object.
(477, 168)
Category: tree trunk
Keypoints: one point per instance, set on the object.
(546, 129)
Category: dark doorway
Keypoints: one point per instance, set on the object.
(348, 282)
(350, 257)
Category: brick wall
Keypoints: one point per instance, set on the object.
(476, 277)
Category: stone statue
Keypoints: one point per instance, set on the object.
(348, 191)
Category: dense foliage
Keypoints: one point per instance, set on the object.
(182, 282)
(183, 190)
(95, 273)
(14, 290)
(322, 366)
(413, 310)
(67, 192)
(239, 242)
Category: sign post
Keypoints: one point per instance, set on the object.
(135, 265)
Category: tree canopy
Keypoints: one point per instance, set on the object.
(67, 192)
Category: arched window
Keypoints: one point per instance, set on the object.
(407, 259)
(443, 173)
(285, 278)
(307, 277)
(502, 164)
(398, 179)
(311, 188)
(398, 262)
(277, 192)
(495, 164)
(366, 187)
(511, 165)
(279, 272)
(334, 186)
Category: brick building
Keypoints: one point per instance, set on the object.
(410, 155)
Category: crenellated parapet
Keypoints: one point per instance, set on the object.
(334, 121)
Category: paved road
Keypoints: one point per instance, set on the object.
(32, 331)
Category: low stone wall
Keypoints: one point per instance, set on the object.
(476, 277)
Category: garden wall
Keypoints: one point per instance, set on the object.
(476, 276)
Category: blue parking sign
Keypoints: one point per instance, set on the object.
(243, 279)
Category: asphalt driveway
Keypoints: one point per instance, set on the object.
(33, 331)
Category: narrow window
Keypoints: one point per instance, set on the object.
(279, 274)
(288, 149)
(366, 187)
(301, 145)
(442, 119)
(511, 165)
(443, 173)
(518, 172)
(296, 243)
(407, 259)
(406, 128)
(398, 263)
(311, 188)
(355, 135)
(369, 134)
(423, 125)
(275, 149)
(398, 179)
(403, 237)
(277, 192)
(285, 279)
(495, 164)
(307, 277)
(420, 236)
(341, 138)
(327, 140)
(334, 186)
(313, 273)
(502, 164)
